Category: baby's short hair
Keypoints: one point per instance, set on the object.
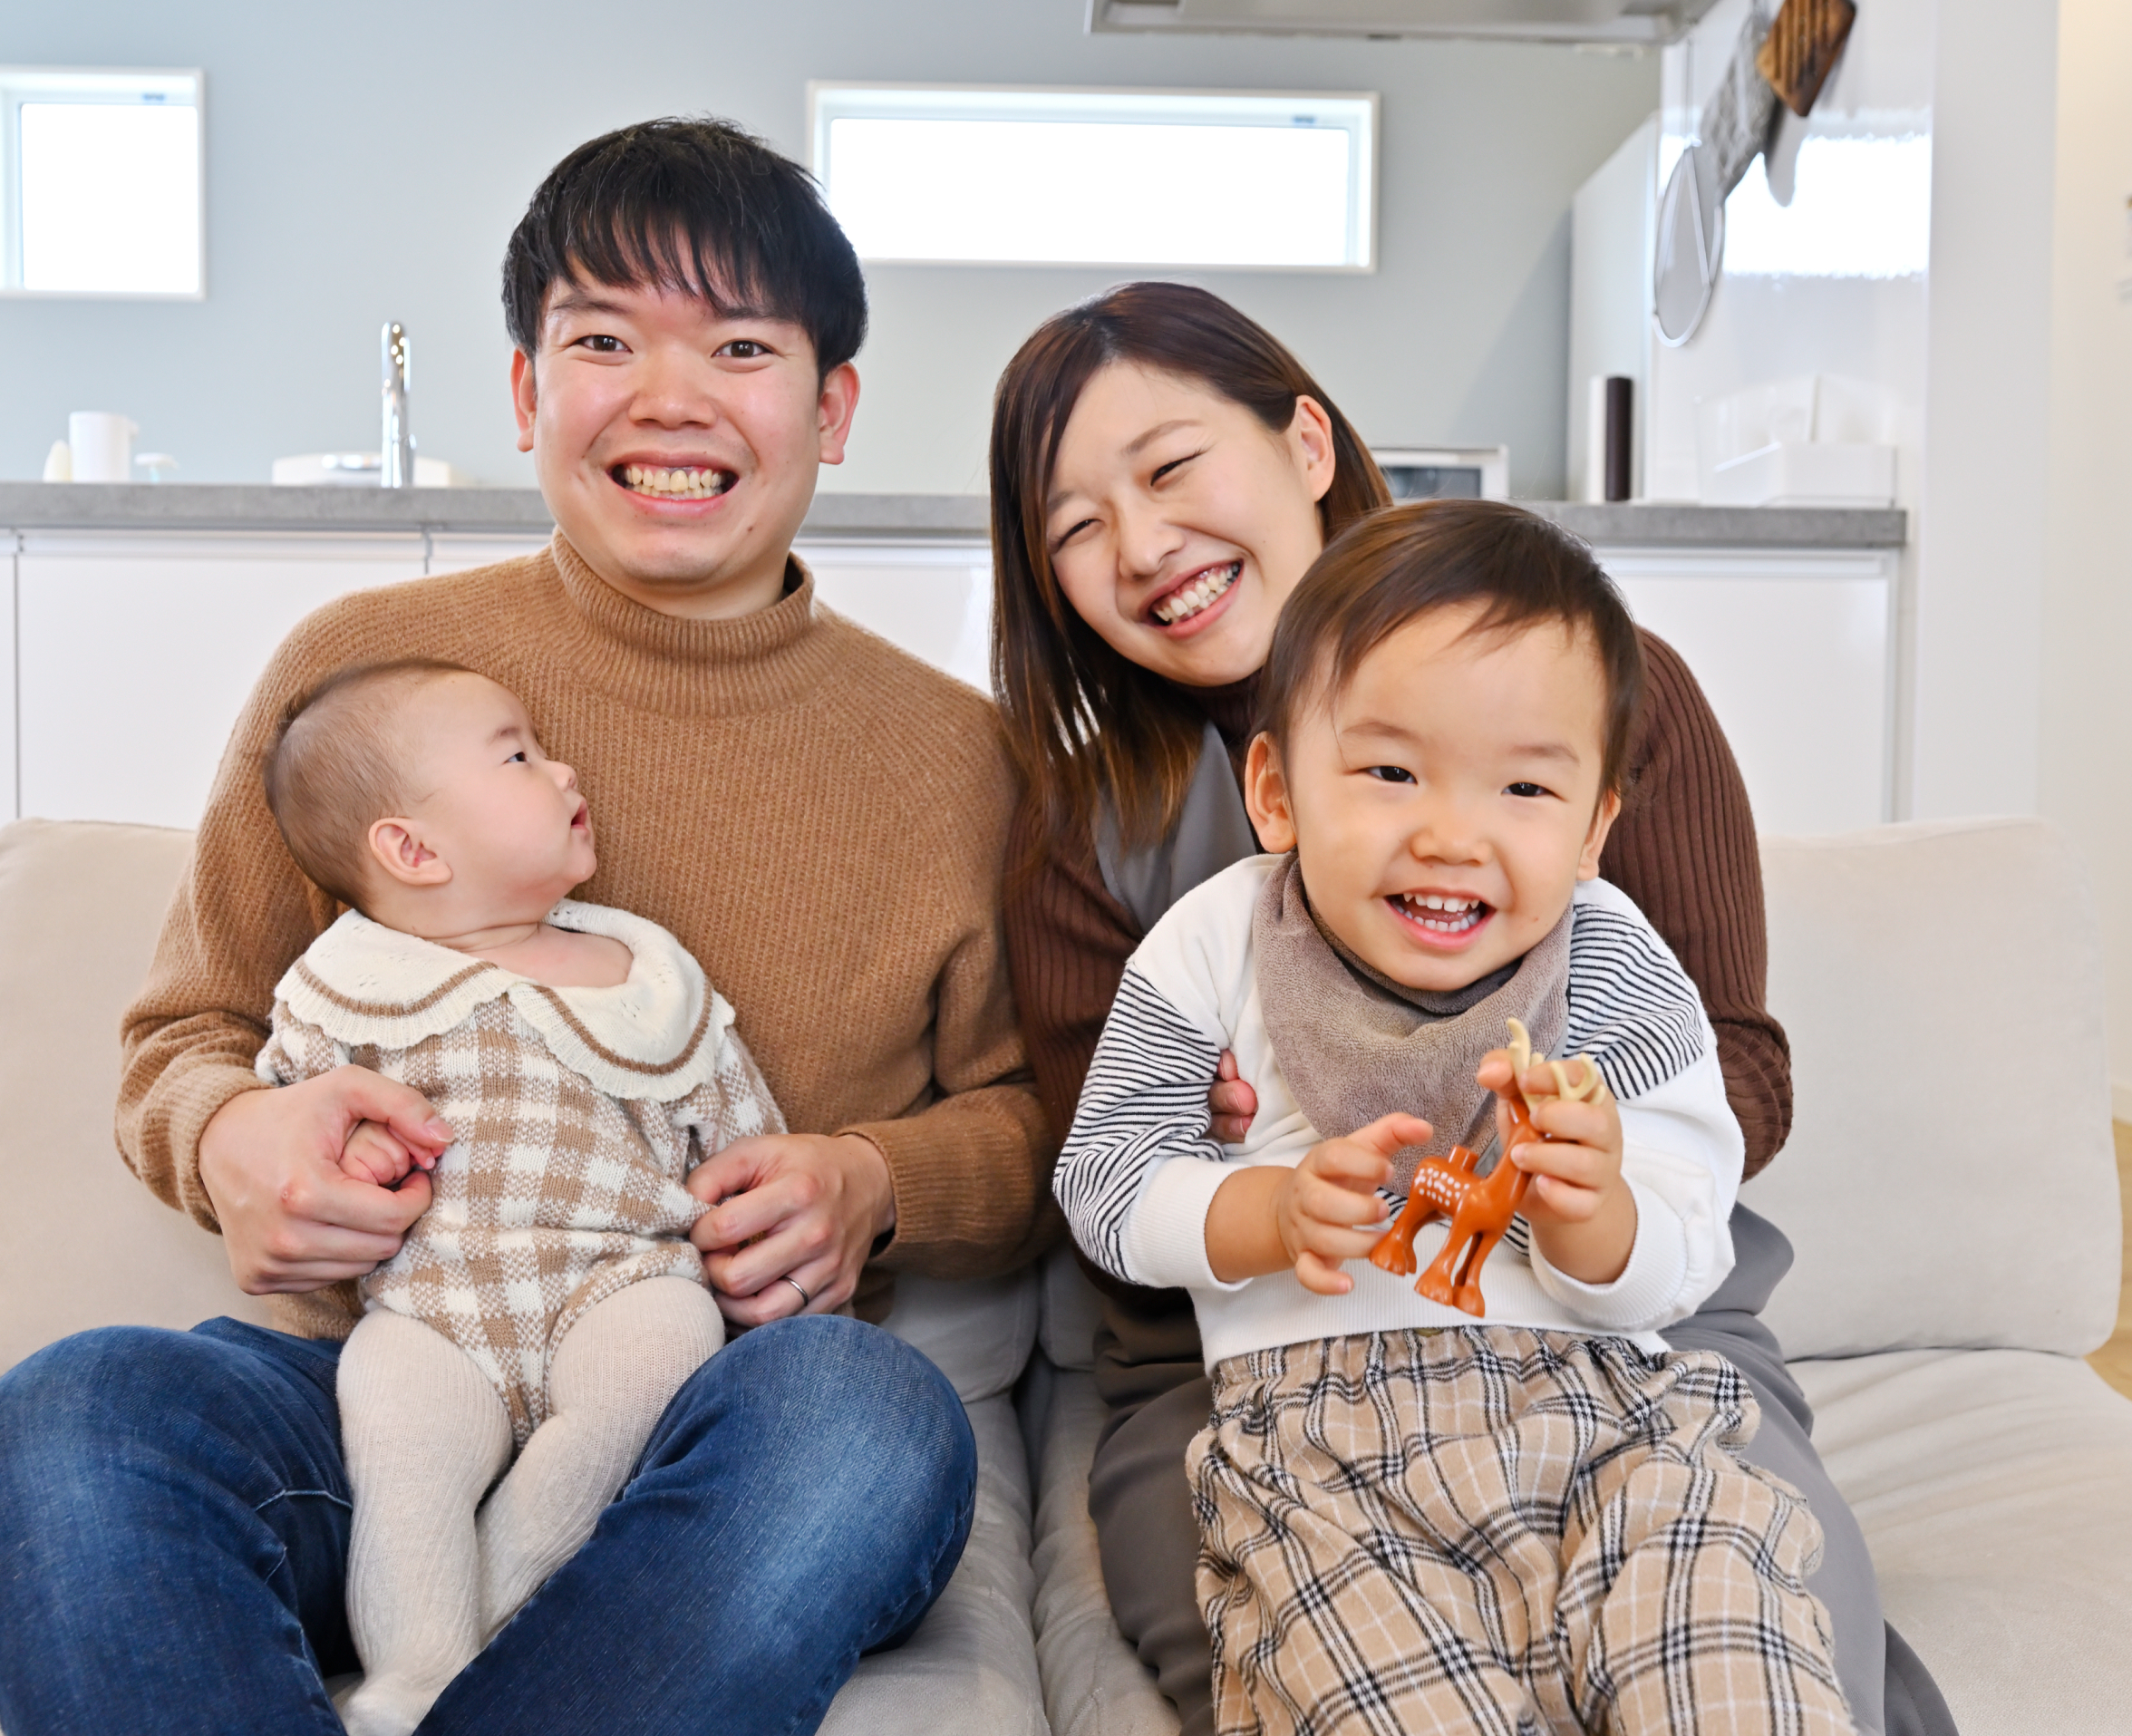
(337, 767)
(1385, 570)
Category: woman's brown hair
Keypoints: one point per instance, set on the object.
(1081, 720)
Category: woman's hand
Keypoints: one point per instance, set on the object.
(802, 1207)
(1325, 1210)
(1230, 1102)
(1582, 1213)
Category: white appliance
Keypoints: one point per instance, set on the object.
(1445, 472)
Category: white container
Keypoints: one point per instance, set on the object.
(102, 444)
(1806, 473)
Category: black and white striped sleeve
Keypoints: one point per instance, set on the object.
(1145, 1101)
(1632, 1007)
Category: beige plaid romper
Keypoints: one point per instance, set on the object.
(580, 1112)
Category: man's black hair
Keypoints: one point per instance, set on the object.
(697, 206)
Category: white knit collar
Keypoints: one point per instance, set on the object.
(658, 1034)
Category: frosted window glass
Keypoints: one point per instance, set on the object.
(1860, 207)
(1154, 179)
(111, 198)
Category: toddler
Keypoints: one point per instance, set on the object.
(549, 1303)
(1412, 1519)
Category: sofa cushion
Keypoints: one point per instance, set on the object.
(1950, 1179)
(82, 1242)
(1992, 1487)
(1071, 1312)
(970, 1669)
(1093, 1684)
(978, 1332)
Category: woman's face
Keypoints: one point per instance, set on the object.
(1178, 523)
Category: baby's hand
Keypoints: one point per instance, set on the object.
(375, 1154)
(1582, 1213)
(1327, 1209)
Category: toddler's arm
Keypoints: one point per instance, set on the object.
(1143, 1113)
(1267, 1217)
(1635, 1012)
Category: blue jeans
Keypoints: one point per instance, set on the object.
(174, 1522)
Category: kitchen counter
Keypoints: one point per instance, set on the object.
(252, 507)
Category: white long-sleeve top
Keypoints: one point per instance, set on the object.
(1141, 1168)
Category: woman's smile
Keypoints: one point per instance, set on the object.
(1193, 600)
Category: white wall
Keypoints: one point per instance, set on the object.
(2085, 767)
(1979, 601)
(368, 163)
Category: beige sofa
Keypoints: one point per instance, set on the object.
(1948, 1186)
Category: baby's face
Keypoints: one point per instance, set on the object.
(1445, 805)
(506, 817)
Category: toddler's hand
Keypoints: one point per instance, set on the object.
(375, 1154)
(1328, 1211)
(1582, 1213)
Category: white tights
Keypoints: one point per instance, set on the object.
(424, 1435)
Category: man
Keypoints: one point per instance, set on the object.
(820, 820)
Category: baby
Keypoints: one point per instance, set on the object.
(548, 1303)
(1412, 1519)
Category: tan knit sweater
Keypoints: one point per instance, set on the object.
(818, 818)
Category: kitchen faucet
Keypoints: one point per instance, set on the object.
(396, 454)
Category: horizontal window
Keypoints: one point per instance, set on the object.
(100, 182)
(1262, 179)
(1860, 207)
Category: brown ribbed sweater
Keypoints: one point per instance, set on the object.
(819, 817)
(1683, 849)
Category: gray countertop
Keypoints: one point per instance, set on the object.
(216, 505)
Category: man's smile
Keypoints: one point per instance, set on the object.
(674, 482)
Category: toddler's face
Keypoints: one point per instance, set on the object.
(1445, 805)
(506, 817)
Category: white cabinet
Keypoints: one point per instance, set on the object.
(129, 655)
(134, 654)
(125, 657)
(934, 600)
(1795, 650)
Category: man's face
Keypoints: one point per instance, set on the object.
(677, 448)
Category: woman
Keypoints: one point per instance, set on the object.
(1162, 473)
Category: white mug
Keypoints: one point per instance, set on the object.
(103, 446)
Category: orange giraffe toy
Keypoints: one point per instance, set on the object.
(1480, 1208)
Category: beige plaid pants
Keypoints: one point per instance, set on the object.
(1501, 1530)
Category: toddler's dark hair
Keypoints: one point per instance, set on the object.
(337, 766)
(699, 206)
(1404, 561)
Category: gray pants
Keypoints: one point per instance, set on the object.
(1142, 1505)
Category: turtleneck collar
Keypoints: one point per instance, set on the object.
(1232, 708)
(667, 663)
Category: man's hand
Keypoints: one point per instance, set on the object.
(1322, 1212)
(271, 1163)
(1230, 1103)
(1582, 1213)
(807, 1207)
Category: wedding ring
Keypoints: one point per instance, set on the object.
(804, 1298)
